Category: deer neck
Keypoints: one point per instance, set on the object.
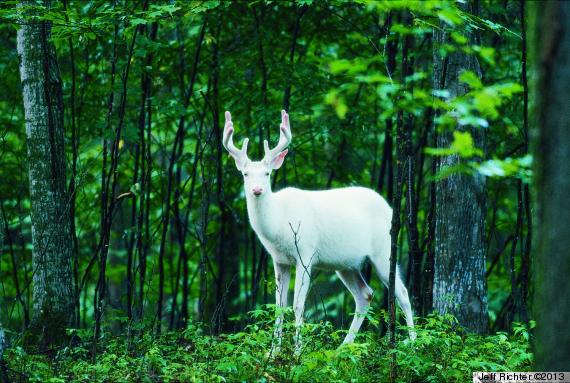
(263, 214)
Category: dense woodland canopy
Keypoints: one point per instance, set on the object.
(158, 227)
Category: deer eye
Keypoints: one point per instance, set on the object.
(267, 173)
(245, 174)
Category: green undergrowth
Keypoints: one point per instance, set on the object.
(442, 352)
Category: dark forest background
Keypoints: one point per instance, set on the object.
(158, 221)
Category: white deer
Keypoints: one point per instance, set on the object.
(335, 229)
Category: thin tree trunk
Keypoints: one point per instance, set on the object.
(526, 197)
(109, 203)
(515, 295)
(99, 294)
(386, 163)
(300, 14)
(204, 215)
(396, 205)
(72, 182)
(219, 316)
(139, 161)
(2, 364)
(146, 170)
(14, 268)
(415, 256)
(427, 274)
(51, 240)
(261, 63)
(386, 166)
(165, 222)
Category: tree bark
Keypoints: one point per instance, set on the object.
(397, 202)
(551, 134)
(51, 239)
(461, 200)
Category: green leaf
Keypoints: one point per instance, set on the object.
(138, 21)
(450, 16)
(337, 102)
(509, 167)
(463, 145)
(459, 38)
(471, 78)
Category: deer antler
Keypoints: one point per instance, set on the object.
(240, 156)
(284, 139)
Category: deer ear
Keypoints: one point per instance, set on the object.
(278, 160)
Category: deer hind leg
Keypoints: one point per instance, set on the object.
(362, 294)
(401, 296)
(404, 302)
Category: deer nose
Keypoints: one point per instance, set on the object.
(257, 190)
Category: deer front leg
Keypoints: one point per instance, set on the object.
(282, 278)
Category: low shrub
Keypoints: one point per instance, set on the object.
(442, 352)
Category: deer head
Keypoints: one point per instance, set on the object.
(256, 174)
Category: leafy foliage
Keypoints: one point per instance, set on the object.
(441, 353)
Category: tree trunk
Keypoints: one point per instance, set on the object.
(396, 206)
(461, 201)
(51, 239)
(551, 133)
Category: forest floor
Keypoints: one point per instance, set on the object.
(442, 352)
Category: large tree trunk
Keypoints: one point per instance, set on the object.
(551, 133)
(51, 240)
(461, 201)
